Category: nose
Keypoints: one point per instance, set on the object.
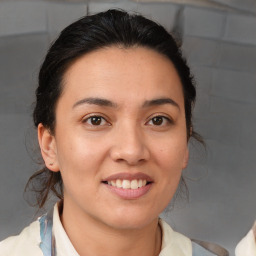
(129, 145)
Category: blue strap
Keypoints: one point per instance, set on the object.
(200, 251)
(47, 244)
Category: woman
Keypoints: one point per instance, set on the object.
(113, 114)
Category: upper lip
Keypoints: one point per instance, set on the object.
(129, 176)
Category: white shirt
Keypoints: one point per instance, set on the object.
(173, 243)
(27, 243)
(247, 246)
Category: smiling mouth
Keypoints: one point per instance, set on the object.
(128, 184)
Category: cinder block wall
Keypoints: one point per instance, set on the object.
(220, 45)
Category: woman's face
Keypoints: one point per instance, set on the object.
(120, 138)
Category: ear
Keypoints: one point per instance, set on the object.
(48, 148)
(190, 131)
(185, 159)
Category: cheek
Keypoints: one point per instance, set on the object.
(171, 155)
(81, 161)
(79, 150)
(77, 161)
(170, 159)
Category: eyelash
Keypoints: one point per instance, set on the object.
(94, 116)
(163, 119)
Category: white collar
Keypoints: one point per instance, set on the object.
(63, 245)
(174, 243)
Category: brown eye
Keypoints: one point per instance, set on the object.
(158, 120)
(95, 121)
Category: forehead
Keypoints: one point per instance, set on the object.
(122, 73)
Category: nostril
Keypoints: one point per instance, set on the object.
(133, 151)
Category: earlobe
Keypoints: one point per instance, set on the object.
(48, 148)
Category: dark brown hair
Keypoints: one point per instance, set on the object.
(113, 27)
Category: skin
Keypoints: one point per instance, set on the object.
(127, 140)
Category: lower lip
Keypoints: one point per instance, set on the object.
(129, 193)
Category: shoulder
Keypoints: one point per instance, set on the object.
(174, 243)
(202, 248)
(247, 246)
(25, 244)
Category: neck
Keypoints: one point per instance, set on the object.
(91, 237)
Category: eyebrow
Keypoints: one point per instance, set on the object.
(95, 101)
(108, 103)
(160, 101)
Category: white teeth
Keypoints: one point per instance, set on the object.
(134, 184)
(128, 184)
(119, 183)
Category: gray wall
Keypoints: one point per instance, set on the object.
(220, 44)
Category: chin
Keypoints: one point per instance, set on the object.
(130, 224)
(131, 219)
